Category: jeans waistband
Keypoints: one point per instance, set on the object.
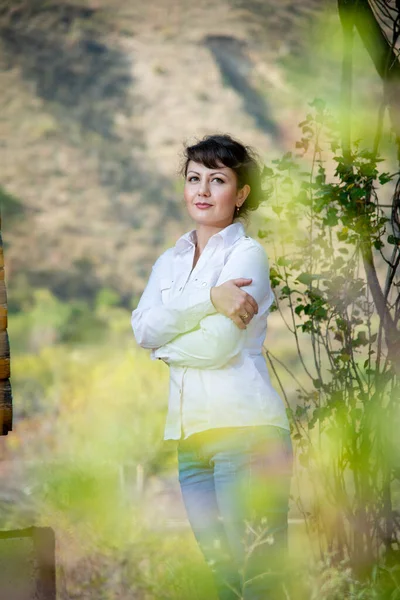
(222, 433)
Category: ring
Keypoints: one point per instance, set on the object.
(244, 316)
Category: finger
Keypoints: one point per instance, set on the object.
(238, 321)
(251, 305)
(250, 314)
(249, 317)
(248, 309)
(242, 281)
(244, 310)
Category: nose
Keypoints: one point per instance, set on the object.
(203, 189)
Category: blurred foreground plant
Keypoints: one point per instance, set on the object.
(328, 230)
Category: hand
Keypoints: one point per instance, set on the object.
(231, 301)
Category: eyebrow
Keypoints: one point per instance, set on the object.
(213, 173)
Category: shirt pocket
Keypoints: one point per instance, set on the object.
(166, 284)
(200, 282)
(207, 279)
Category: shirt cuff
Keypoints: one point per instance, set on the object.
(158, 354)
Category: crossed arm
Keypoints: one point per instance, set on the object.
(215, 339)
(154, 323)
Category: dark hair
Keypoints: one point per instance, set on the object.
(243, 160)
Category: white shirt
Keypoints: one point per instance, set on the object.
(218, 375)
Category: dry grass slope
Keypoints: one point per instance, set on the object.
(97, 100)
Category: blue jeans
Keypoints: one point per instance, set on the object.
(235, 484)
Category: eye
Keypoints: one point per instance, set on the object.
(195, 177)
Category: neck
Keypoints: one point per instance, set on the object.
(203, 234)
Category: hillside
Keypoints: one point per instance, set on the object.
(97, 100)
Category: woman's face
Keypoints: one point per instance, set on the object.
(215, 187)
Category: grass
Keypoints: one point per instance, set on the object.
(85, 410)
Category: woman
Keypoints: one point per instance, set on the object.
(234, 447)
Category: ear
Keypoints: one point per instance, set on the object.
(244, 192)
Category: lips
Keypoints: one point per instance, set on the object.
(203, 204)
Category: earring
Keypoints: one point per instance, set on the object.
(237, 210)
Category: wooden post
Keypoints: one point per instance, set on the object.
(27, 564)
(5, 385)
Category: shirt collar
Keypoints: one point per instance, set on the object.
(229, 235)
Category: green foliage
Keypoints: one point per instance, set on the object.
(45, 320)
(325, 227)
(107, 297)
(10, 206)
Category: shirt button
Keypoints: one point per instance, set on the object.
(204, 283)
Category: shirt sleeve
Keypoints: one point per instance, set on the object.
(155, 323)
(217, 339)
